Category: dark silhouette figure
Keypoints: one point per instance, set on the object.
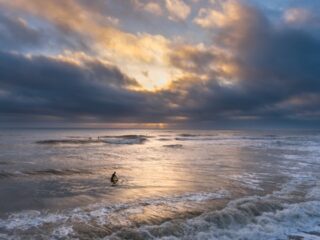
(114, 178)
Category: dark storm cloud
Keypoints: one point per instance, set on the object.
(15, 33)
(273, 65)
(24, 32)
(50, 87)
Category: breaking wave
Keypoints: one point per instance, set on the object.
(164, 139)
(270, 217)
(98, 220)
(189, 135)
(244, 219)
(173, 146)
(44, 172)
(122, 139)
(279, 215)
(68, 141)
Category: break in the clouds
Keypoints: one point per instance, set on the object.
(178, 62)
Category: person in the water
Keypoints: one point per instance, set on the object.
(114, 178)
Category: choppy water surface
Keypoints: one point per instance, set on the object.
(54, 184)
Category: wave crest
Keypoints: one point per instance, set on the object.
(122, 139)
(44, 172)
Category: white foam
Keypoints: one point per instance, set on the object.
(202, 196)
(248, 218)
(100, 214)
(61, 232)
(248, 180)
(314, 193)
(269, 217)
(7, 237)
(27, 219)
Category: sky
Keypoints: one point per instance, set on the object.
(160, 63)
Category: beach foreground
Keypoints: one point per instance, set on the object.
(173, 184)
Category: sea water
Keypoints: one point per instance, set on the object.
(173, 184)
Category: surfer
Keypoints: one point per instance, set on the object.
(114, 178)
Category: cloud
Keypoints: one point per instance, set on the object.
(252, 67)
(154, 8)
(297, 15)
(42, 86)
(178, 10)
(99, 35)
(301, 18)
(15, 32)
(249, 68)
(225, 14)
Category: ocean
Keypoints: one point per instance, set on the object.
(173, 184)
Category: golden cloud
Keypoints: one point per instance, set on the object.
(178, 10)
(227, 13)
(133, 53)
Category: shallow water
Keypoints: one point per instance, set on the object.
(55, 184)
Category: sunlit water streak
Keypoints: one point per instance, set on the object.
(172, 184)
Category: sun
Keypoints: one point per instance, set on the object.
(152, 78)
